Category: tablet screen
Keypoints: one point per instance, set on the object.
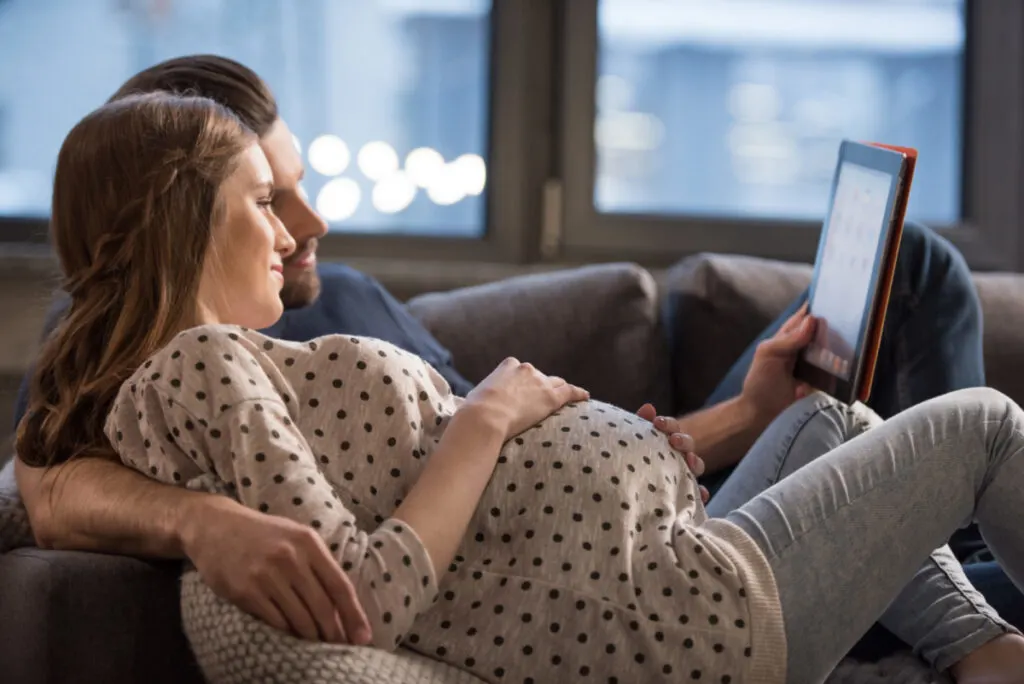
(842, 293)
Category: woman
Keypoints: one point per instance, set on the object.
(524, 533)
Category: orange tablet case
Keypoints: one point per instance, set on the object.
(874, 333)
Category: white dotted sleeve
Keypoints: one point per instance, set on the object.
(248, 440)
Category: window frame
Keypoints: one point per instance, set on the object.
(541, 161)
(992, 174)
(518, 143)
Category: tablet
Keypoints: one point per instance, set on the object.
(854, 268)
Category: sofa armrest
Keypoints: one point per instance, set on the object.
(1002, 302)
(596, 326)
(69, 616)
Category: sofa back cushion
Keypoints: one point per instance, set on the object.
(1002, 303)
(596, 326)
(716, 305)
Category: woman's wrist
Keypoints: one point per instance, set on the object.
(484, 416)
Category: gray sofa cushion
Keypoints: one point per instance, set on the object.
(91, 618)
(1002, 300)
(596, 326)
(714, 306)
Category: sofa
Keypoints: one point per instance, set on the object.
(625, 334)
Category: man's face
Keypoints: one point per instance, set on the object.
(301, 282)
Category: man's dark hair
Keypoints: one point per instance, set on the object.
(223, 80)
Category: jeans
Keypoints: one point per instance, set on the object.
(895, 492)
(931, 344)
(938, 612)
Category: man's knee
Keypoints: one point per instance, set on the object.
(822, 417)
(991, 405)
(937, 269)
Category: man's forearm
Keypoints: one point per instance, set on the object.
(97, 505)
(723, 433)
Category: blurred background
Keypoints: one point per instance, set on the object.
(449, 142)
(703, 107)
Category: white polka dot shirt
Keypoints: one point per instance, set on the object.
(589, 555)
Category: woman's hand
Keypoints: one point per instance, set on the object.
(514, 397)
(517, 396)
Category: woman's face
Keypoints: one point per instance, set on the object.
(243, 273)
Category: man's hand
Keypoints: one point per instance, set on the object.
(682, 443)
(276, 569)
(770, 387)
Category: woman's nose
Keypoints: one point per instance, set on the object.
(283, 242)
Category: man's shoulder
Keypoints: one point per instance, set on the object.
(344, 292)
(335, 277)
(59, 306)
(350, 302)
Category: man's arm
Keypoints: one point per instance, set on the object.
(723, 433)
(92, 504)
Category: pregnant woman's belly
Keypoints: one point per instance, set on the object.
(570, 553)
(591, 475)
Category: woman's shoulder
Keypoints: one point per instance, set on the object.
(205, 341)
(231, 345)
(205, 357)
(222, 365)
(334, 347)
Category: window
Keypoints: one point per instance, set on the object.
(737, 109)
(566, 130)
(692, 125)
(388, 99)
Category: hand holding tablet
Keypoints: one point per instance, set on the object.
(854, 268)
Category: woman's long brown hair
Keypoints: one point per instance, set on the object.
(135, 198)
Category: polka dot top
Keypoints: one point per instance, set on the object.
(589, 555)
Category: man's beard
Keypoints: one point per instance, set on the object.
(302, 290)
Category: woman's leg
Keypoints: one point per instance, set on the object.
(895, 494)
(939, 613)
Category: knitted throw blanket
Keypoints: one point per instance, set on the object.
(234, 648)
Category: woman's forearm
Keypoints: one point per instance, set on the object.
(443, 501)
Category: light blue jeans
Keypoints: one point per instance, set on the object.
(850, 511)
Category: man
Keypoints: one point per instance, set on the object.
(246, 556)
